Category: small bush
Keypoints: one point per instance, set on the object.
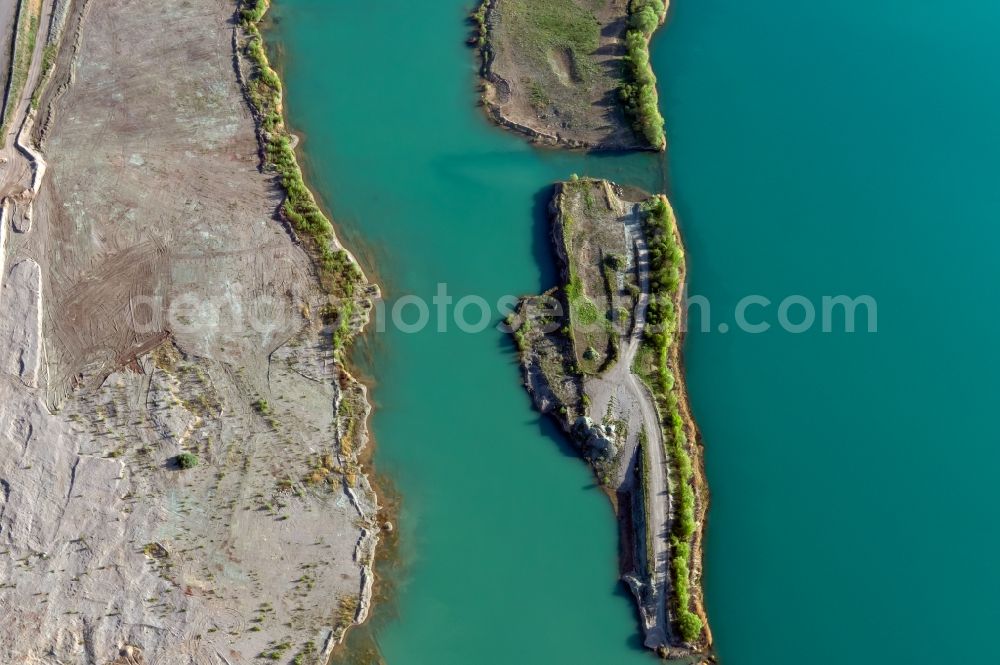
(690, 625)
(186, 461)
(614, 261)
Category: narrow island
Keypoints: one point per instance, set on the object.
(601, 351)
(182, 446)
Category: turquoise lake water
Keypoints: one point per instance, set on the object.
(815, 150)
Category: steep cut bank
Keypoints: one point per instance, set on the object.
(600, 353)
(181, 444)
(573, 73)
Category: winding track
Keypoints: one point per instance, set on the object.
(620, 379)
(658, 492)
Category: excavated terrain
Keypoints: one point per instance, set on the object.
(155, 310)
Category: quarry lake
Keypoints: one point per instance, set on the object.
(814, 150)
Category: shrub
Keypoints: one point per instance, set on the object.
(478, 18)
(186, 461)
(690, 625)
(646, 20)
(253, 12)
(614, 261)
(638, 94)
(574, 290)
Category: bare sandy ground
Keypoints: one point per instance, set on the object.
(151, 304)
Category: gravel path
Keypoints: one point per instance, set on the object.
(634, 403)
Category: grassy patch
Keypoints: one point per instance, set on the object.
(539, 98)
(644, 476)
(586, 311)
(555, 27)
(638, 93)
(24, 48)
(48, 62)
(275, 651)
(306, 655)
(347, 610)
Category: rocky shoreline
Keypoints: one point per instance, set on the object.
(607, 413)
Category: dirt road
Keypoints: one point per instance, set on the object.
(619, 389)
(20, 167)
